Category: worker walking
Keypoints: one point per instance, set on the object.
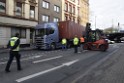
(64, 43)
(75, 42)
(82, 41)
(14, 44)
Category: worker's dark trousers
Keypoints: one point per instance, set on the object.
(11, 57)
(63, 47)
(75, 48)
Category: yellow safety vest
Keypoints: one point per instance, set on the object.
(12, 43)
(64, 41)
(75, 41)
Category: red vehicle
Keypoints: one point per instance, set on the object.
(95, 40)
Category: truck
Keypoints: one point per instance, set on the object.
(49, 35)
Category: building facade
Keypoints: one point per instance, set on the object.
(50, 11)
(17, 16)
(23, 15)
(84, 12)
(61, 10)
(70, 10)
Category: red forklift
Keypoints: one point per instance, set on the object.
(95, 39)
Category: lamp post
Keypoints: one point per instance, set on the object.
(95, 22)
(112, 26)
(118, 26)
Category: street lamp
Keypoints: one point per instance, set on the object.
(95, 22)
(118, 26)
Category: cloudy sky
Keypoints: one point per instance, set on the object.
(105, 13)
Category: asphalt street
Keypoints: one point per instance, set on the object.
(64, 66)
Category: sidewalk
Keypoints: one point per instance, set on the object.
(4, 50)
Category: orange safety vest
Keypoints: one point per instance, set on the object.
(82, 40)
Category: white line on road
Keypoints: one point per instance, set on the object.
(32, 57)
(38, 61)
(24, 59)
(46, 71)
(71, 62)
(1, 63)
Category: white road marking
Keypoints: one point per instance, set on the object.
(39, 61)
(1, 63)
(33, 57)
(85, 50)
(71, 62)
(24, 59)
(46, 71)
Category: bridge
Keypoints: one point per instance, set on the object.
(117, 37)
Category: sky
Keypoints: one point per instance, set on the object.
(106, 13)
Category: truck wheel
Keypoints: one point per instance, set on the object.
(52, 47)
(102, 48)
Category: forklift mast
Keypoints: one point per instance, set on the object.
(90, 34)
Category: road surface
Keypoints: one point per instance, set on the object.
(66, 66)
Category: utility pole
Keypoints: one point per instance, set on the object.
(95, 22)
(118, 26)
(112, 26)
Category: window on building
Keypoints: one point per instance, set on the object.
(14, 31)
(32, 1)
(66, 7)
(21, 31)
(56, 8)
(2, 6)
(55, 19)
(45, 4)
(18, 9)
(45, 18)
(73, 0)
(70, 18)
(78, 11)
(78, 2)
(70, 9)
(32, 12)
(73, 10)
(74, 19)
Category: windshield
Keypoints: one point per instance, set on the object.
(44, 31)
(40, 32)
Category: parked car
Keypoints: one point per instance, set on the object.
(110, 41)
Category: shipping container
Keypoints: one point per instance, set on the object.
(69, 29)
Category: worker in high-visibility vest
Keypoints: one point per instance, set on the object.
(82, 41)
(64, 43)
(14, 44)
(76, 43)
